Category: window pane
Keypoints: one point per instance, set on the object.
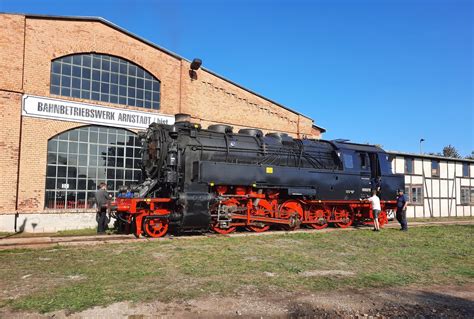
(66, 81)
(86, 60)
(95, 86)
(55, 79)
(96, 62)
(76, 71)
(65, 92)
(76, 59)
(66, 69)
(114, 78)
(105, 77)
(85, 94)
(76, 93)
(86, 84)
(76, 83)
(132, 70)
(114, 66)
(465, 169)
(106, 65)
(86, 73)
(96, 75)
(55, 90)
(56, 67)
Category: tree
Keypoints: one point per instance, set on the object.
(450, 151)
(470, 156)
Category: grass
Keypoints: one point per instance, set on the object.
(61, 233)
(440, 219)
(76, 278)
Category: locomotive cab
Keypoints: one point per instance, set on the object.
(372, 165)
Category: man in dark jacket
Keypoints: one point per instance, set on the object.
(402, 210)
(102, 199)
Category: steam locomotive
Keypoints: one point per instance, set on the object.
(199, 179)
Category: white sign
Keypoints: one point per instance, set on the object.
(48, 108)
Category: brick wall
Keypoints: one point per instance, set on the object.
(11, 53)
(10, 113)
(28, 46)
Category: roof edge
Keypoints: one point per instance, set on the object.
(137, 37)
(320, 128)
(431, 156)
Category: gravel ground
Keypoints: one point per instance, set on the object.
(406, 302)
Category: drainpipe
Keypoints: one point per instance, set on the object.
(16, 219)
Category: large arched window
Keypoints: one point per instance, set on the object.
(80, 159)
(104, 78)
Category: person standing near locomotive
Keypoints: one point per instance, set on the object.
(375, 200)
(102, 199)
(402, 210)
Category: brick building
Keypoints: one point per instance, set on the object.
(73, 93)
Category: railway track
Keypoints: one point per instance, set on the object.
(12, 242)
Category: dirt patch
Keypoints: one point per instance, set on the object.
(326, 273)
(408, 302)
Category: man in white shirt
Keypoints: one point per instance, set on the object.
(375, 200)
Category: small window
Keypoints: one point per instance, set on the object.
(465, 169)
(414, 194)
(466, 195)
(435, 168)
(408, 165)
(348, 161)
(363, 161)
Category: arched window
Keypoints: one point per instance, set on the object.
(80, 159)
(104, 78)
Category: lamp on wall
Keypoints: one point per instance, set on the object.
(195, 65)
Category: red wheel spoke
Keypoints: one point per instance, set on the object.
(346, 216)
(155, 227)
(291, 210)
(263, 209)
(318, 218)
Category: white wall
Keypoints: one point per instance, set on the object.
(38, 223)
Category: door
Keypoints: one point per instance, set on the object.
(365, 174)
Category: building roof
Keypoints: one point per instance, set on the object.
(118, 28)
(320, 128)
(441, 158)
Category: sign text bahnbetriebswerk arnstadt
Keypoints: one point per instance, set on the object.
(87, 113)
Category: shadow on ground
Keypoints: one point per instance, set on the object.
(396, 304)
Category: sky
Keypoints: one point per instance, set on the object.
(387, 72)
